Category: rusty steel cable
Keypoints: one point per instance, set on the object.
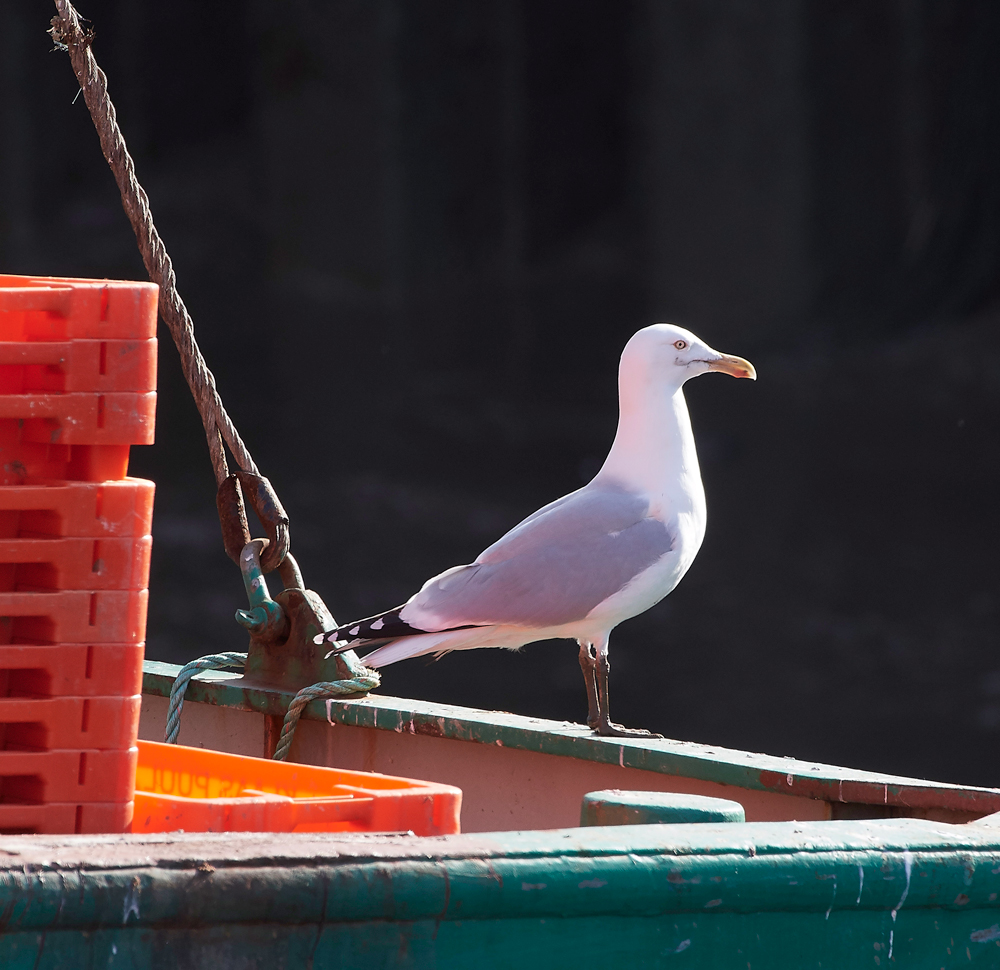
(68, 33)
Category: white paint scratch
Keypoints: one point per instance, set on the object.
(908, 867)
(329, 712)
(621, 756)
(833, 898)
(861, 884)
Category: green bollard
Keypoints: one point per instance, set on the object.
(613, 807)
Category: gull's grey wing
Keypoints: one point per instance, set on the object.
(552, 568)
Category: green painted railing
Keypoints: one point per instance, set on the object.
(705, 762)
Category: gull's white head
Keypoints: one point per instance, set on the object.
(668, 354)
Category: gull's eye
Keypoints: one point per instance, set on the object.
(681, 344)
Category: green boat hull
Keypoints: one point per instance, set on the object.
(901, 892)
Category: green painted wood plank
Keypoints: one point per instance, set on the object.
(814, 894)
(682, 758)
(768, 941)
(645, 870)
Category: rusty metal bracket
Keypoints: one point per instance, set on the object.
(233, 517)
(282, 651)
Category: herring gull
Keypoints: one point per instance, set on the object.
(589, 560)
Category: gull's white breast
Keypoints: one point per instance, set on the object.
(656, 581)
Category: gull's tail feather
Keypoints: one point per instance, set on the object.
(437, 643)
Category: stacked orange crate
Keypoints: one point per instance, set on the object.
(77, 389)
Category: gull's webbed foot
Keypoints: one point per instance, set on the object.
(605, 726)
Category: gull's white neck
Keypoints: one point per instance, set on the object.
(654, 450)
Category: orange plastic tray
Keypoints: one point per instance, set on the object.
(47, 723)
(53, 564)
(115, 418)
(28, 463)
(208, 791)
(77, 509)
(55, 308)
(40, 777)
(59, 817)
(74, 616)
(71, 669)
(77, 365)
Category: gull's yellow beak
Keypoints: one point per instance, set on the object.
(733, 366)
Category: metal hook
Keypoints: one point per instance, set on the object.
(265, 619)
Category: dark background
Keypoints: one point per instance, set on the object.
(414, 236)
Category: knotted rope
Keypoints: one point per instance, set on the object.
(363, 680)
(213, 661)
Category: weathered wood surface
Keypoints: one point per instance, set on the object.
(903, 892)
(395, 735)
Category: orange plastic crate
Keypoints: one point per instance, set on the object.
(77, 377)
(54, 564)
(77, 389)
(77, 509)
(47, 723)
(37, 778)
(208, 791)
(58, 817)
(74, 616)
(71, 670)
(56, 308)
(27, 463)
(61, 367)
(115, 418)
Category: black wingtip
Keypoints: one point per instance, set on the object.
(384, 626)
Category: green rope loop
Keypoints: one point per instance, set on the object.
(213, 661)
(364, 680)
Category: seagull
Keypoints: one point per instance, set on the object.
(587, 561)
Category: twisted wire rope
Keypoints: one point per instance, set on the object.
(67, 32)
